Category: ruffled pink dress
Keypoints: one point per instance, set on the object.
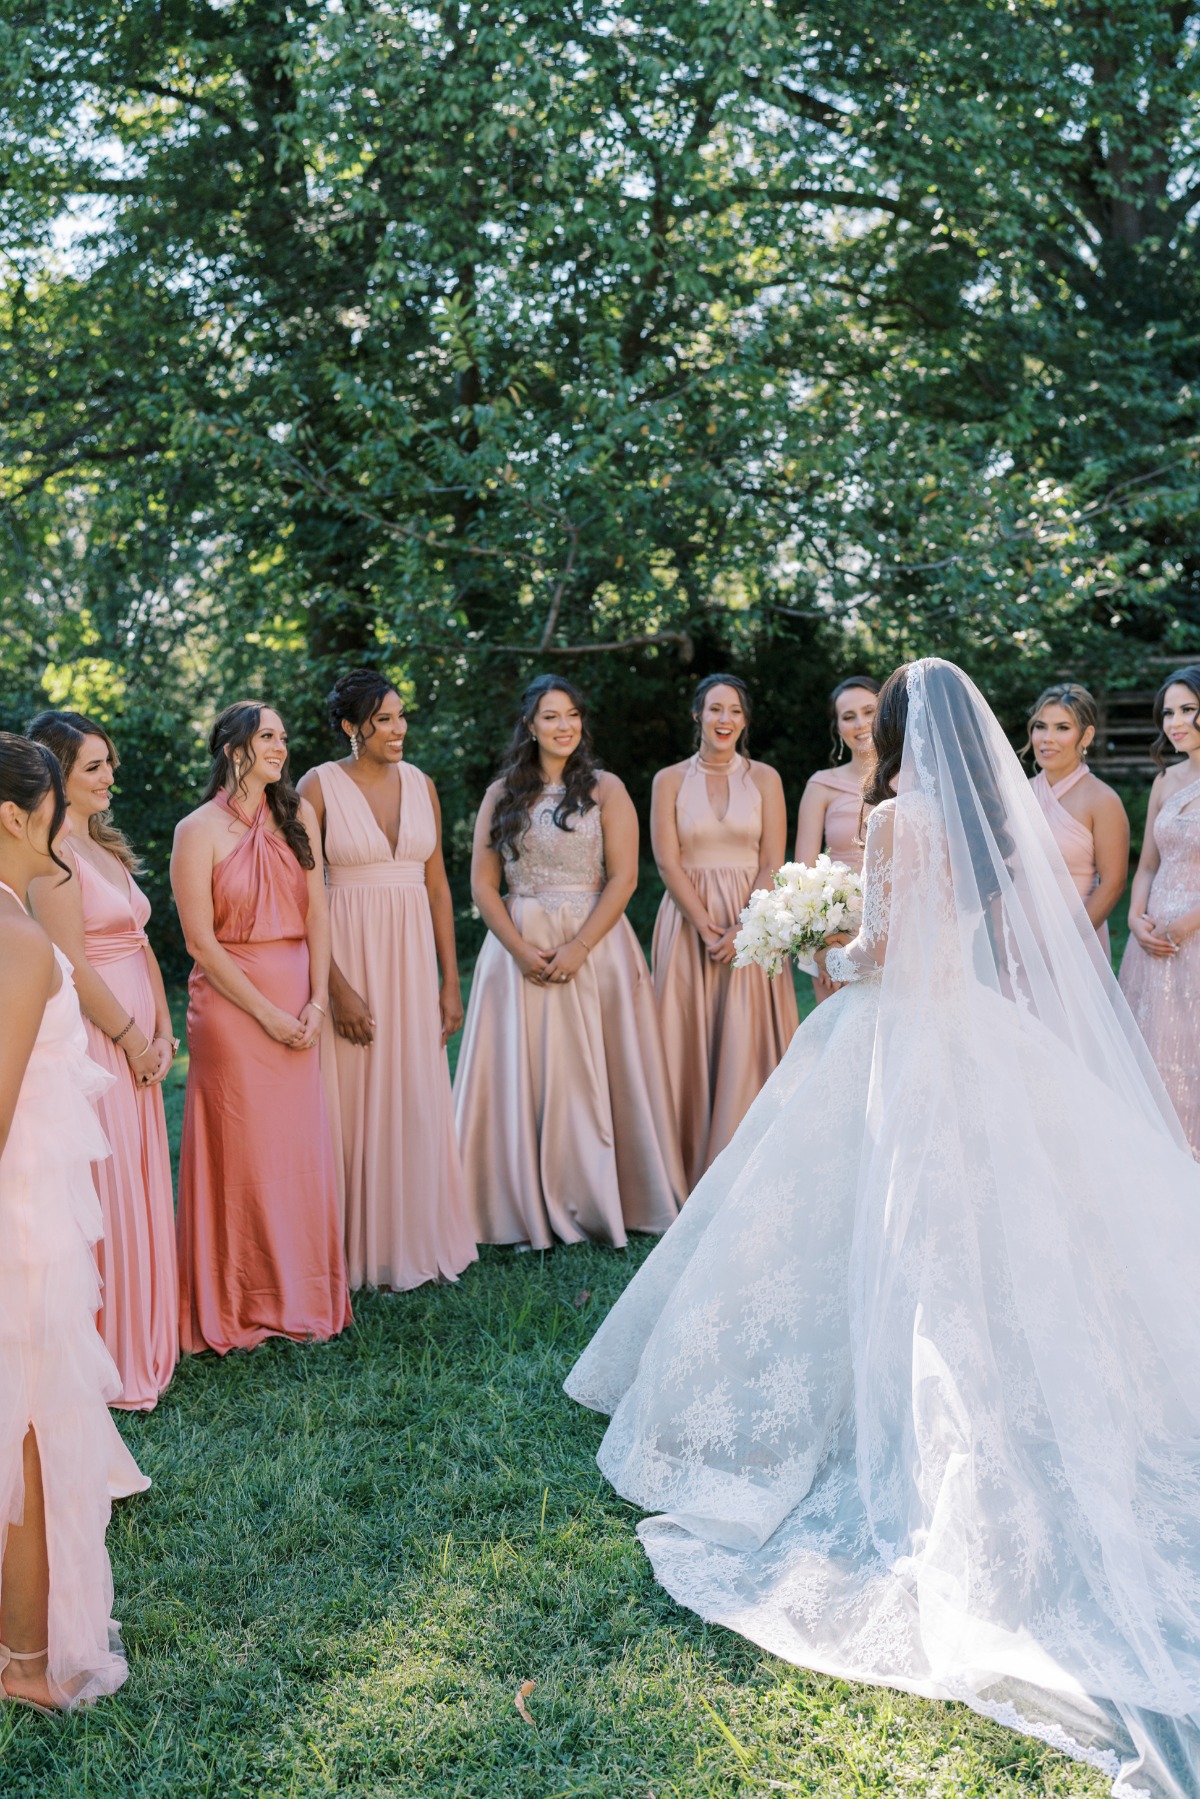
(139, 1314)
(1164, 991)
(55, 1373)
(845, 818)
(390, 1109)
(1073, 838)
(724, 1029)
(260, 1237)
(561, 1098)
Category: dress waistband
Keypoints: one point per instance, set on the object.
(546, 892)
(377, 874)
(113, 946)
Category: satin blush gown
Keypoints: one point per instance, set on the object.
(55, 1373)
(139, 1313)
(562, 1102)
(1164, 991)
(390, 1108)
(1073, 838)
(260, 1241)
(844, 818)
(724, 1029)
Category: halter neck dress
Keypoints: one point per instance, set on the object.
(260, 1241)
(55, 1374)
(1164, 991)
(725, 1029)
(1072, 837)
(845, 819)
(561, 1097)
(139, 1315)
(400, 1178)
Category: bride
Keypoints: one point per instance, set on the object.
(913, 1382)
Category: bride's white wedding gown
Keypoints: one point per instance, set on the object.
(913, 1383)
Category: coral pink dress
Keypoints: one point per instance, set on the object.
(390, 1108)
(260, 1241)
(1164, 991)
(725, 1029)
(845, 818)
(1073, 838)
(139, 1316)
(561, 1098)
(55, 1373)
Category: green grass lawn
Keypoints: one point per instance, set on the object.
(354, 1554)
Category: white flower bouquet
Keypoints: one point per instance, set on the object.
(795, 916)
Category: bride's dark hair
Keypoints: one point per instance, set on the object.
(968, 766)
(28, 772)
(521, 775)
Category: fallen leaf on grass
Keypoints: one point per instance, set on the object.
(523, 1691)
(581, 1299)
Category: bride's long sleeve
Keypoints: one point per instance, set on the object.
(864, 955)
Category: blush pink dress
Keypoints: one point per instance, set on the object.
(845, 819)
(1164, 991)
(260, 1240)
(390, 1108)
(724, 1029)
(55, 1373)
(561, 1098)
(1073, 838)
(139, 1314)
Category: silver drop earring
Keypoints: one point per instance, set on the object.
(355, 745)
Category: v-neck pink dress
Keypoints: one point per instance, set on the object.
(724, 1029)
(139, 1312)
(260, 1239)
(1073, 838)
(400, 1178)
(1164, 991)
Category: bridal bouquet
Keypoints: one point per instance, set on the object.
(794, 917)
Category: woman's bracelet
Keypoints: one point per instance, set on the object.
(581, 939)
(166, 1037)
(318, 1007)
(129, 1023)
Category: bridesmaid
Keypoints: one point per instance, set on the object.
(383, 1047)
(718, 825)
(832, 815)
(1086, 816)
(1160, 971)
(260, 1242)
(58, 1442)
(99, 919)
(562, 1101)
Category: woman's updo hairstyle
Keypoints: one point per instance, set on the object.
(355, 698)
(869, 684)
(1073, 699)
(233, 735)
(63, 734)
(705, 687)
(1189, 677)
(521, 771)
(888, 730)
(28, 772)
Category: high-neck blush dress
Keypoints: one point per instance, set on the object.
(845, 819)
(1164, 991)
(724, 1029)
(390, 1109)
(139, 1314)
(260, 1240)
(1073, 838)
(55, 1373)
(562, 1101)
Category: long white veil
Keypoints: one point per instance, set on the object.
(1027, 1264)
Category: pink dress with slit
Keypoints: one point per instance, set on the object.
(260, 1241)
(139, 1314)
(1164, 991)
(390, 1109)
(561, 1098)
(55, 1373)
(1073, 838)
(725, 1029)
